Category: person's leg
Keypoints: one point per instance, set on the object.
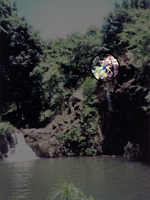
(112, 69)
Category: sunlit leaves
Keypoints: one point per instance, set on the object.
(147, 108)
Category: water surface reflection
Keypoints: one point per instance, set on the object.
(103, 178)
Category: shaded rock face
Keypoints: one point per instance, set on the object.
(5, 141)
(120, 120)
(4, 144)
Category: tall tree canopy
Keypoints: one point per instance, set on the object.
(21, 49)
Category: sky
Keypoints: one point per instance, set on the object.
(61, 17)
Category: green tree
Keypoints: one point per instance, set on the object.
(67, 64)
(77, 54)
(20, 53)
(83, 138)
(125, 4)
(136, 34)
(113, 25)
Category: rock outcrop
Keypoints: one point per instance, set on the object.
(44, 141)
(117, 123)
(6, 142)
(121, 120)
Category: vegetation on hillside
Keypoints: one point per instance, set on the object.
(38, 76)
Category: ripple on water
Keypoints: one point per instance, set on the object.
(102, 178)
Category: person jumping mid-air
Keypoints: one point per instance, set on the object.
(105, 67)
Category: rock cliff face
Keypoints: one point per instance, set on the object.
(121, 121)
(4, 144)
(44, 141)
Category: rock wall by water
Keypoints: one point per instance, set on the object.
(119, 120)
(44, 141)
(7, 142)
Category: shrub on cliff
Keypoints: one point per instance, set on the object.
(88, 87)
(131, 151)
(82, 138)
(6, 129)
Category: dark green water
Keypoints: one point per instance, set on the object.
(101, 177)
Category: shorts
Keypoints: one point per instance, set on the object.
(104, 67)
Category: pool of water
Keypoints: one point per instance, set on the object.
(103, 178)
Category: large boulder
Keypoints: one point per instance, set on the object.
(47, 149)
(43, 142)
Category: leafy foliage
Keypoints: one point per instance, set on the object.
(83, 139)
(113, 25)
(147, 107)
(75, 55)
(136, 34)
(66, 65)
(88, 87)
(68, 191)
(13, 197)
(132, 152)
(6, 128)
(22, 50)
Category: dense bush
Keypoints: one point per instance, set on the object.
(132, 151)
